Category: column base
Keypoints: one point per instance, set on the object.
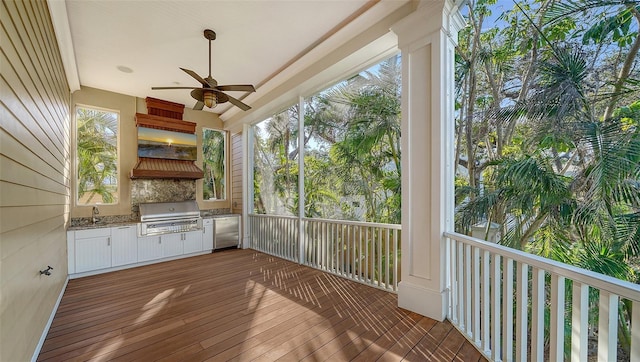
(427, 302)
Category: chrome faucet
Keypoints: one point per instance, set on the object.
(94, 214)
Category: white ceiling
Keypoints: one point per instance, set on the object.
(255, 40)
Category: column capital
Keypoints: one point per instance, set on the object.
(430, 17)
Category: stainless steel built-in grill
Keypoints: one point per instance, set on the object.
(169, 217)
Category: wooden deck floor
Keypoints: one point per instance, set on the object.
(240, 305)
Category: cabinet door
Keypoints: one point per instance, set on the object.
(93, 253)
(149, 248)
(207, 237)
(124, 246)
(172, 244)
(71, 252)
(192, 241)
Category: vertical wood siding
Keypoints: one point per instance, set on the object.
(34, 175)
(236, 173)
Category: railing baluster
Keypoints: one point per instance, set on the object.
(379, 256)
(352, 247)
(476, 296)
(507, 314)
(635, 331)
(537, 315)
(522, 311)
(579, 322)
(387, 255)
(467, 288)
(453, 275)
(366, 255)
(395, 259)
(486, 306)
(460, 281)
(607, 327)
(496, 286)
(556, 328)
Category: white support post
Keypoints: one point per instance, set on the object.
(302, 247)
(247, 183)
(427, 39)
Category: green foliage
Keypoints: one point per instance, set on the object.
(97, 154)
(548, 109)
(352, 151)
(213, 151)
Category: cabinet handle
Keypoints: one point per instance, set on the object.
(159, 239)
(109, 241)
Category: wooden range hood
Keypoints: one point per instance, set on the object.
(167, 116)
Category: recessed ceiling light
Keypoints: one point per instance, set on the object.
(124, 69)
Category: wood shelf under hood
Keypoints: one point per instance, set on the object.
(158, 168)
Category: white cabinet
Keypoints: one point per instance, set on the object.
(172, 244)
(92, 249)
(192, 242)
(149, 248)
(207, 234)
(124, 245)
(108, 248)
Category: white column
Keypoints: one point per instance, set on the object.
(302, 247)
(247, 183)
(427, 39)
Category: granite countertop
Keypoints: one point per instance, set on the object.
(83, 223)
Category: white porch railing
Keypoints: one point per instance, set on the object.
(275, 235)
(361, 251)
(501, 297)
(368, 253)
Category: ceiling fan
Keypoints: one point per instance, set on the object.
(212, 94)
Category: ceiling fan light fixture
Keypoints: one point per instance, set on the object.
(210, 99)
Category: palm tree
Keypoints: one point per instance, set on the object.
(97, 155)
(213, 149)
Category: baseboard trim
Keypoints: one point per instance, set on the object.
(427, 302)
(36, 353)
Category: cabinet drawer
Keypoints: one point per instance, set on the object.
(92, 233)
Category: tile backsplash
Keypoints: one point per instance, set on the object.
(161, 190)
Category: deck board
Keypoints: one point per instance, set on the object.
(240, 305)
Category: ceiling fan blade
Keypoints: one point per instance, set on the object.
(199, 106)
(196, 77)
(238, 103)
(237, 87)
(159, 88)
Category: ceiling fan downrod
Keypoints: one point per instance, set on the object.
(211, 35)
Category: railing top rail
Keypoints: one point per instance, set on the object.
(604, 282)
(331, 221)
(356, 223)
(272, 216)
